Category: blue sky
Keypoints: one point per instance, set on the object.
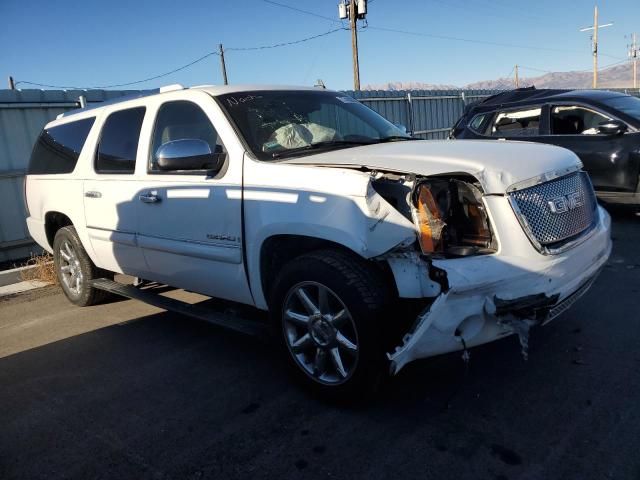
(109, 42)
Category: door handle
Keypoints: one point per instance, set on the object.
(92, 194)
(151, 197)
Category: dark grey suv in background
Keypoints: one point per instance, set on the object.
(601, 127)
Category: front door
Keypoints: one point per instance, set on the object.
(608, 159)
(190, 227)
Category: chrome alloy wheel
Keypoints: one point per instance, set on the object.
(70, 269)
(320, 333)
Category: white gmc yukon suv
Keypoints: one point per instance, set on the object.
(370, 249)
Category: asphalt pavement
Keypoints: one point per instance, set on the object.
(124, 390)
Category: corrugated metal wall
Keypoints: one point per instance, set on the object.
(427, 113)
(23, 113)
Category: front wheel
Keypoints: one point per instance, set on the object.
(330, 306)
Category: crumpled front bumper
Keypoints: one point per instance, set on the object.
(486, 292)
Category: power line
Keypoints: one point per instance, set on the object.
(299, 10)
(572, 71)
(468, 40)
(284, 44)
(535, 69)
(510, 72)
(493, 12)
(155, 77)
(122, 84)
(443, 37)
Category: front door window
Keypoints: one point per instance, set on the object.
(574, 120)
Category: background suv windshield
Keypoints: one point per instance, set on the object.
(275, 123)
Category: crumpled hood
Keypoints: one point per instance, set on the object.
(496, 164)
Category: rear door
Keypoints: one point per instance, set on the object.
(608, 159)
(109, 194)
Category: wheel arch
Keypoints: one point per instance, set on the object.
(278, 249)
(54, 221)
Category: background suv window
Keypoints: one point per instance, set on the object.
(516, 123)
(119, 141)
(476, 122)
(183, 120)
(58, 148)
(573, 120)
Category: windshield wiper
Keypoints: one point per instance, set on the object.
(321, 145)
(393, 138)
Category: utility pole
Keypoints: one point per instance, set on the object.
(633, 56)
(595, 47)
(357, 10)
(223, 64)
(354, 44)
(594, 43)
(517, 79)
(12, 84)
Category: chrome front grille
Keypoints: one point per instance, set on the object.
(556, 212)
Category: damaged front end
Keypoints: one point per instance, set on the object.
(475, 268)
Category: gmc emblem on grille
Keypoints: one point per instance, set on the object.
(566, 202)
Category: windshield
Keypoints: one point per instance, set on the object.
(627, 104)
(278, 124)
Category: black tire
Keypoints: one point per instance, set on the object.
(84, 295)
(359, 287)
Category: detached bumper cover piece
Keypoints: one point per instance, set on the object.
(487, 292)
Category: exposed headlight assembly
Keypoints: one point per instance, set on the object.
(450, 218)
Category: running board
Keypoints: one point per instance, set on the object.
(229, 322)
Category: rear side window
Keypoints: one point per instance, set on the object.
(477, 121)
(516, 123)
(58, 148)
(119, 141)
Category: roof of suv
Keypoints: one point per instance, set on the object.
(532, 94)
(213, 90)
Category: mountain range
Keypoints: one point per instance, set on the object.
(618, 76)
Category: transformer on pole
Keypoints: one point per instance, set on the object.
(354, 10)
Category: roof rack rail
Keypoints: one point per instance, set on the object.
(132, 96)
(171, 88)
(113, 101)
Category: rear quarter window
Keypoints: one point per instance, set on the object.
(477, 121)
(58, 148)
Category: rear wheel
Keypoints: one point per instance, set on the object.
(75, 270)
(329, 308)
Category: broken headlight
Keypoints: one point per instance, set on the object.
(450, 218)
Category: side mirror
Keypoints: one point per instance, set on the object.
(612, 127)
(189, 154)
